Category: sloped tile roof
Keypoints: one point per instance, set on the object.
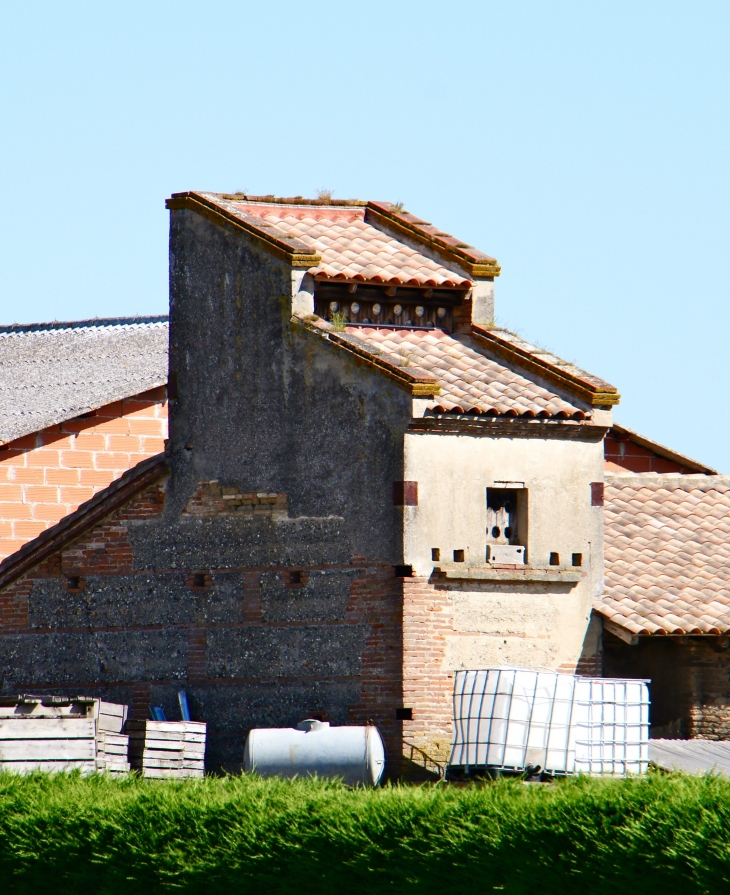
(52, 372)
(348, 246)
(667, 554)
(469, 380)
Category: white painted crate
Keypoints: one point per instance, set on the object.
(167, 748)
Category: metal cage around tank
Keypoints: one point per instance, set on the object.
(515, 719)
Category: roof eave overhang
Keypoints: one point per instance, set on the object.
(632, 636)
(473, 262)
(603, 395)
(292, 251)
(418, 385)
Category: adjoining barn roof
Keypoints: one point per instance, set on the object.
(53, 372)
(667, 555)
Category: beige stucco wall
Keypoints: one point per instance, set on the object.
(523, 623)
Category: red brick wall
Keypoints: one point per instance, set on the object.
(622, 455)
(427, 685)
(45, 476)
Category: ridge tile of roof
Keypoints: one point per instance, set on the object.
(454, 369)
(53, 372)
(667, 554)
(350, 240)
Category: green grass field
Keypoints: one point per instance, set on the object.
(65, 834)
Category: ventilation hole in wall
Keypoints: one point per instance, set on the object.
(404, 714)
(435, 554)
(508, 532)
(554, 559)
(403, 571)
(198, 579)
(577, 559)
(73, 582)
(496, 531)
(295, 578)
(458, 556)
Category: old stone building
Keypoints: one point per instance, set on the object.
(80, 403)
(367, 486)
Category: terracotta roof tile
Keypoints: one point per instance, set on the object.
(470, 381)
(350, 248)
(667, 554)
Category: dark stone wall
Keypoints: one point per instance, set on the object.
(269, 407)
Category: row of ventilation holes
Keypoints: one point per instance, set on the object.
(459, 555)
(397, 310)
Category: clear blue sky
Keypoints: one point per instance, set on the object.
(584, 144)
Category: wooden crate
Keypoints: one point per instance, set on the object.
(59, 734)
(167, 748)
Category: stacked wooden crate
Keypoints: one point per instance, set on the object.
(112, 745)
(51, 733)
(167, 748)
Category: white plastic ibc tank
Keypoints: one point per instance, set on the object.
(356, 754)
(611, 726)
(511, 718)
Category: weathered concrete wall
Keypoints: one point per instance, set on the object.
(266, 406)
(543, 623)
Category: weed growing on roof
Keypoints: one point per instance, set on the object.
(325, 195)
(397, 207)
(338, 321)
(68, 835)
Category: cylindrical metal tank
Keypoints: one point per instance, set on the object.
(356, 754)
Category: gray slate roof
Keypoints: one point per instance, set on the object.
(53, 372)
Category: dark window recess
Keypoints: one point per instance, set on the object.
(73, 583)
(367, 305)
(403, 571)
(577, 559)
(199, 579)
(405, 494)
(404, 714)
(295, 578)
(554, 559)
(596, 494)
(435, 554)
(459, 556)
(502, 516)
